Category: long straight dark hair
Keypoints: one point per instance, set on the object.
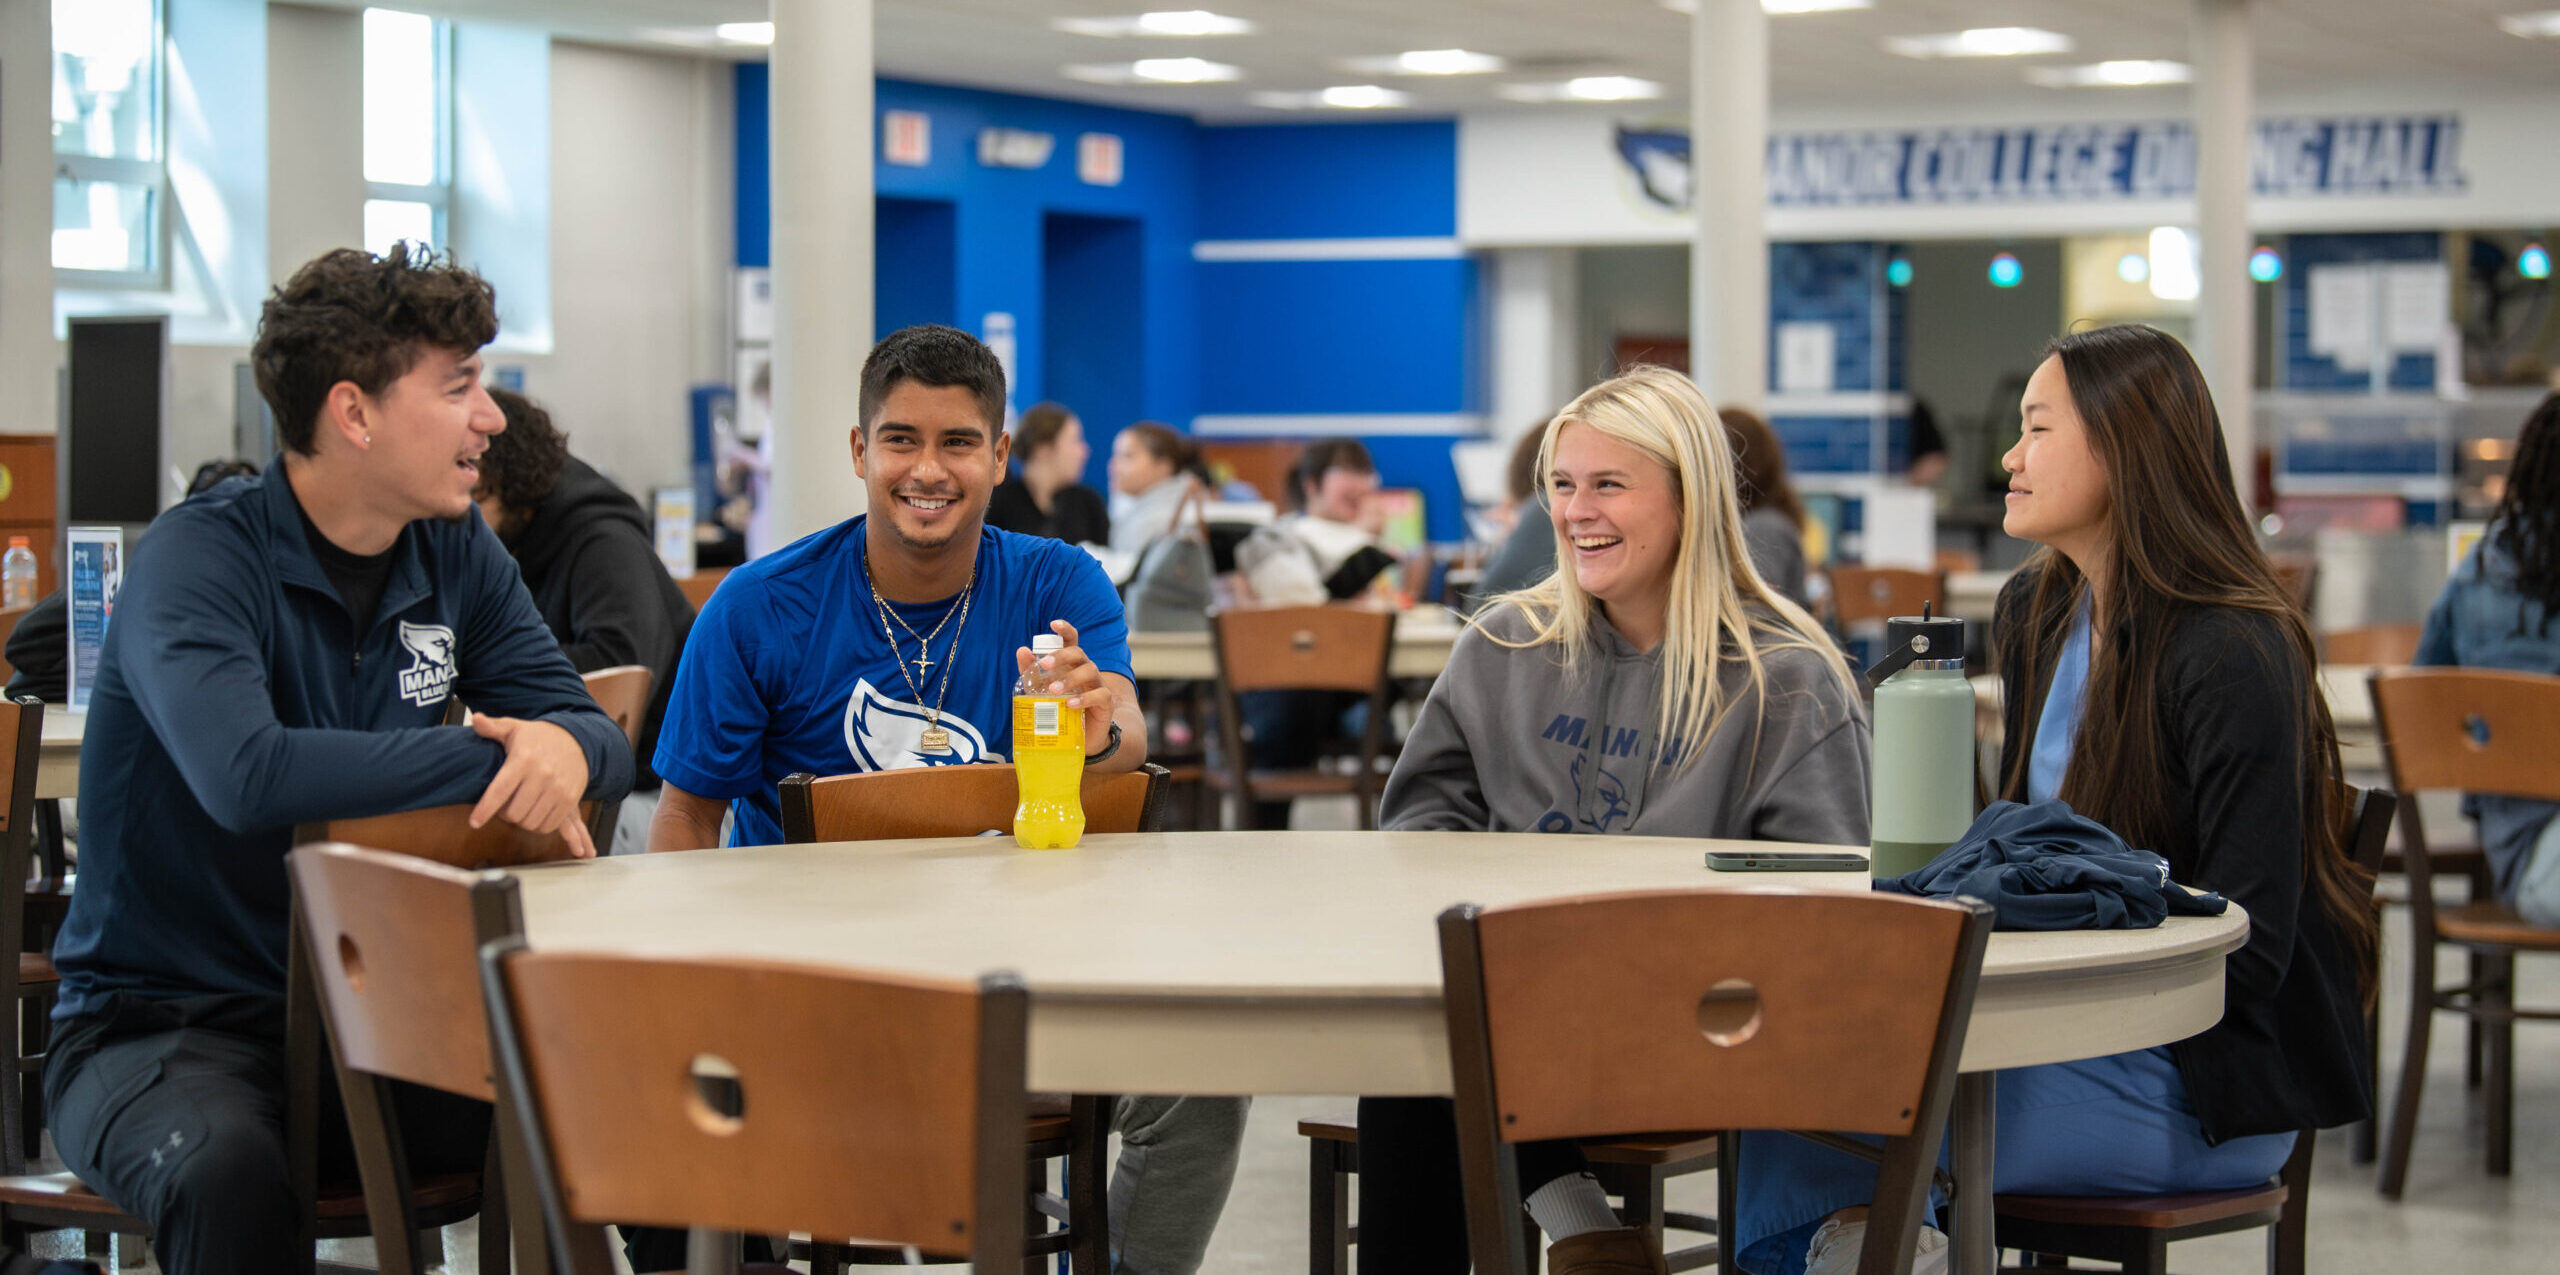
(2528, 517)
(2177, 541)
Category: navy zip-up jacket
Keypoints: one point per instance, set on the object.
(234, 701)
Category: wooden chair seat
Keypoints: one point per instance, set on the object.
(2146, 1212)
(35, 967)
(2496, 925)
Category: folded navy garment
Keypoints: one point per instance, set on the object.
(2047, 867)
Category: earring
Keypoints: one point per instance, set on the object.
(368, 440)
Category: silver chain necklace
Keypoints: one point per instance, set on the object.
(935, 738)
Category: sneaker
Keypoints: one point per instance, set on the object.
(1836, 1247)
(1619, 1251)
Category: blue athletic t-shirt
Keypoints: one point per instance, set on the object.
(787, 669)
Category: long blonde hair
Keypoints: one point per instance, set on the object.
(1713, 585)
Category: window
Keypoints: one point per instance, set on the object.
(408, 99)
(111, 176)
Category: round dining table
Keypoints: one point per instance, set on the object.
(1300, 962)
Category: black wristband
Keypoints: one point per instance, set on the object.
(1108, 749)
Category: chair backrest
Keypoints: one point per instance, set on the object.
(762, 1097)
(21, 739)
(1319, 648)
(443, 834)
(395, 944)
(623, 693)
(1708, 1010)
(2385, 644)
(2480, 730)
(953, 801)
(697, 587)
(1880, 593)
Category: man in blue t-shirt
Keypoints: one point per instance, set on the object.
(894, 640)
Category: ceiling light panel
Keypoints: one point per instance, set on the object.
(1428, 62)
(1341, 97)
(1155, 71)
(745, 32)
(1782, 7)
(1981, 42)
(1169, 24)
(1589, 88)
(2127, 74)
(2532, 26)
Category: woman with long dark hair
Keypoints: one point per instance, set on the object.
(1773, 516)
(2161, 681)
(1048, 496)
(2496, 612)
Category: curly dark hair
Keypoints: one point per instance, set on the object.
(2528, 516)
(932, 355)
(524, 462)
(349, 315)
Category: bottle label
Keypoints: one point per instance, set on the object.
(1044, 717)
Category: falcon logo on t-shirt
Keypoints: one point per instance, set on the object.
(888, 734)
(429, 677)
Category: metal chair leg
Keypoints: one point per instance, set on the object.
(2394, 1174)
(2496, 1021)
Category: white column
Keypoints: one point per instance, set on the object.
(29, 356)
(2226, 328)
(1729, 259)
(822, 270)
(1536, 336)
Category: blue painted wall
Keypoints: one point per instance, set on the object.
(958, 240)
(1843, 285)
(1342, 337)
(1113, 316)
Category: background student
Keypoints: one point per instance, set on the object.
(1047, 497)
(590, 560)
(2496, 612)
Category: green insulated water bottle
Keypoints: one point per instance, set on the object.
(1924, 744)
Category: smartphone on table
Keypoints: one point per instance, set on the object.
(1786, 861)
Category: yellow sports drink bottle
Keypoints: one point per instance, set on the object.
(1048, 758)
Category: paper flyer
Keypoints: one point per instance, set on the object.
(96, 573)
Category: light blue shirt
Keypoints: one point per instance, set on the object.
(2060, 724)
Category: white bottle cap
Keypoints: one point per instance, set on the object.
(1047, 642)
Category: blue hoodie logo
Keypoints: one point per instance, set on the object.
(884, 733)
(1610, 798)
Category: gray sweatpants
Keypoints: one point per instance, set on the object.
(1177, 1160)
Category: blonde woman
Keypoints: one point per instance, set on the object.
(1655, 684)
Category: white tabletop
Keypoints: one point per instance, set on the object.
(1289, 962)
(1423, 638)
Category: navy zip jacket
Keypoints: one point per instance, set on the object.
(234, 701)
(2044, 866)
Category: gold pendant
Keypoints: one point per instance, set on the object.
(934, 740)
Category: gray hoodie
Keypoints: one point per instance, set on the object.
(1508, 742)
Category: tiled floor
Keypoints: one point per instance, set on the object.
(2455, 1218)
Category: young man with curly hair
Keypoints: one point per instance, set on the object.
(284, 652)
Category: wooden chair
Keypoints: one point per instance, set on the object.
(1321, 648)
(9, 618)
(396, 941)
(2136, 1231)
(698, 586)
(623, 693)
(33, 981)
(1708, 1010)
(750, 1096)
(61, 1201)
(2484, 731)
(1633, 1169)
(1864, 595)
(963, 801)
(2389, 644)
(952, 801)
